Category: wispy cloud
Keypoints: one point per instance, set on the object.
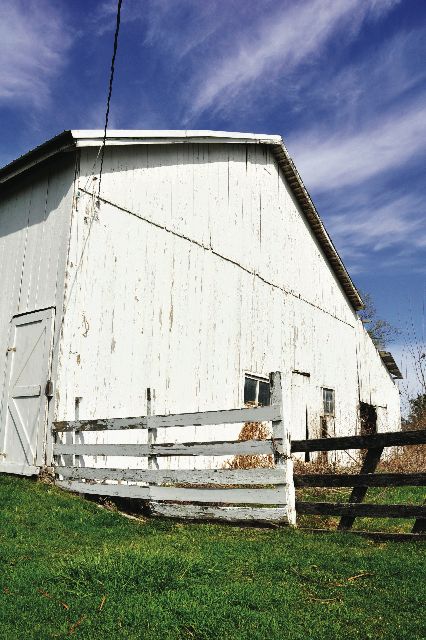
(375, 227)
(287, 39)
(378, 228)
(330, 160)
(102, 17)
(369, 132)
(348, 96)
(34, 41)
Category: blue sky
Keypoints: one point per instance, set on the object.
(343, 81)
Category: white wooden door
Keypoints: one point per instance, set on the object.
(24, 407)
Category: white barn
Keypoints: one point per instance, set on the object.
(203, 266)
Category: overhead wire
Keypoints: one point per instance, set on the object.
(101, 151)
(111, 80)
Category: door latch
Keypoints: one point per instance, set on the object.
(10, 349)
(48, 391)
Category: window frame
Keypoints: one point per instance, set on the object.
(326, 412)
(258, 379)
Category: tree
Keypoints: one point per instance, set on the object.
(418, 409)
(380, 331)
(414, 354)
(417, 416)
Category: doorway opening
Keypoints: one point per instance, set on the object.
(368, 417)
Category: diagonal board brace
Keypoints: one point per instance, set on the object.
(358, 494)
(22, 432)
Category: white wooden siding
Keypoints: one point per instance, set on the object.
(34, 229)
(197, 267)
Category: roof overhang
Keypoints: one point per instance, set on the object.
(390, 364)
(62, 142)
(69, 140)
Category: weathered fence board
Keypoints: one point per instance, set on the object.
(19, 469)
(177, 492)
(390, 439)
(226, 514)
(102, 424)
(226, 416)
(280, 396)
(361, 510)
(113, 490)
(361, 480)
(224, 495)
(276, 496)
(170, 476)
(219, 448)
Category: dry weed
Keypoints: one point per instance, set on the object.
(319, 466)
(409, 459)
(252, 431)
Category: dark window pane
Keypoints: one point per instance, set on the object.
(263, 399)
(250, 390)
(328, 399)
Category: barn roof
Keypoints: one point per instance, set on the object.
(390, 364)
(85, 138)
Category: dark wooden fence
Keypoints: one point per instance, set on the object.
(367, 477)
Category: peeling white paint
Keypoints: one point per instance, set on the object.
(198, 266)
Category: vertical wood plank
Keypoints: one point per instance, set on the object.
(152, 433)
(78, 437)
(281, 429)
(358, 494)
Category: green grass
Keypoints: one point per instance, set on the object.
(71, 569)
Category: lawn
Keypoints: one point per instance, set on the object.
(72, 569)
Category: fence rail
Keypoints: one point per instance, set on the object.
(390, 439)
(355, 507)
(215, 448)
(256, 494)
(225, 416)
(181, 476)
(360, 480)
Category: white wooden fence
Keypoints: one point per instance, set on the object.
(260, 494)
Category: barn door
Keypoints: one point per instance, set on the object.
(24, 407)
(300, 389)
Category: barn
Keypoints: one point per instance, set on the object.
(196, 267)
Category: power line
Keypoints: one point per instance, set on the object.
(111, 79)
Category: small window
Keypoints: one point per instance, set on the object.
(328, 402)
(256, 391)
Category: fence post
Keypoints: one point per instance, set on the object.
(77, 438)
(152, 433)
(281, 429)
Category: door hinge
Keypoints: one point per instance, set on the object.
(49, 389)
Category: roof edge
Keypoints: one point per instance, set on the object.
(306, 204)
(62, 142)
(390, 364)
(87, 138)
(93, 137)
